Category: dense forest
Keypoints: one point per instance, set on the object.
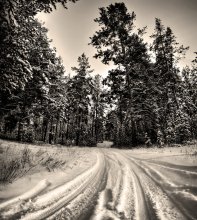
(145, 99)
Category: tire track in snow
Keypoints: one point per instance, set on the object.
(107, 199)
(168, 167)
(116, 200)
(179, 193)
(42, 185)
(166, 207)
(81, 206)
(51, 202)
(142, 205)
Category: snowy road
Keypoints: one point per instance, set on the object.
(121, 184)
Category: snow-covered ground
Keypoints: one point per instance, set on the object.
(104, 183)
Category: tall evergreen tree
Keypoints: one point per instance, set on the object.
(97, 109)
(79, 91)
(30, 94)
(167, 53)
(118, 42)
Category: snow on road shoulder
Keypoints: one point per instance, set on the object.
(86, 159)
(28, 195)
(183, 155)
(61, 191)
(55, 200)
(75, 161)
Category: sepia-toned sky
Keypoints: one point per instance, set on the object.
(70, 29)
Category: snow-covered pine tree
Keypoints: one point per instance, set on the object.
(117, 41)
(167, 53)
(31, 97)
(79, 94)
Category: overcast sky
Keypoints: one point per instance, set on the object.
(70, 29)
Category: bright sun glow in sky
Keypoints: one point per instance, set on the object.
(70, 29)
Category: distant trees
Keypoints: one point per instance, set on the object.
(85, 108)
(79, 92)
(98, 109)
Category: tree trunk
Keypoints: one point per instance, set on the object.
(19, 130)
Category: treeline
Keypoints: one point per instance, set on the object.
(38, 102)
(154, 102)
(146, 99)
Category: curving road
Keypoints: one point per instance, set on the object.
(120, 185)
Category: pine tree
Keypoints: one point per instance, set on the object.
(79, 91)
(29, 98)
(97, 109)
(118, 42)
(17, 39)
(167, 53)
(188, 96)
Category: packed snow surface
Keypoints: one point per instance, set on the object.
(105, 183)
